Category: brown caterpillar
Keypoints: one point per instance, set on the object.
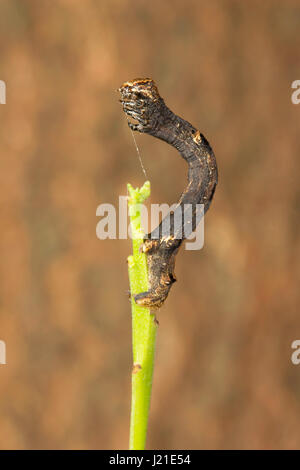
(141, 101)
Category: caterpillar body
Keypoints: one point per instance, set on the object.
(142, 102)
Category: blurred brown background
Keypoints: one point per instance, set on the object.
(224, 377)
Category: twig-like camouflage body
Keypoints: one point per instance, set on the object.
(142, 102)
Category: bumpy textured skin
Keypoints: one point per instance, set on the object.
(141, 101)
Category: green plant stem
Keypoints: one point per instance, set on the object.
(143, 325)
